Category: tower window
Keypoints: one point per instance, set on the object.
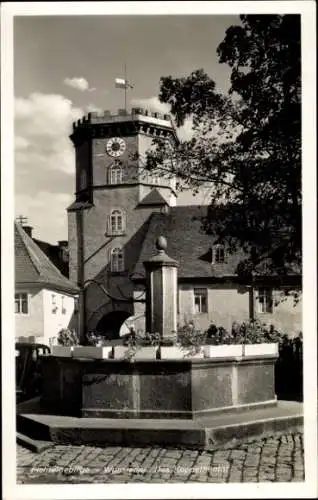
(117, 260)
(21, 303)
(218, 254)
(116, 174)
(200, 300)
(116, 223)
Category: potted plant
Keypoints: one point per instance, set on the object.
(221, 344)
(186, 343)
(137, 346)
(66, 341)
(95, 348)
(248, 339)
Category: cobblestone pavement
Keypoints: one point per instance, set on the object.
(270, 459)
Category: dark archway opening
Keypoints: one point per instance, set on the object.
(109, 325)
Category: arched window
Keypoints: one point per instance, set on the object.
(117, 260)
(115, 174)
(116, 222)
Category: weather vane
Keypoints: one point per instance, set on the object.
(122, 83)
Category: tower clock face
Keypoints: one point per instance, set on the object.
(115, 146)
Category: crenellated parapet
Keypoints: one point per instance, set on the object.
(138, 120)
(121, 115)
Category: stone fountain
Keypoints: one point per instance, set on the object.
(171, 400)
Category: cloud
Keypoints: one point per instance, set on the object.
(44, 161)
(79, 83)
(46, 213)
(185, 132)
(152, 104)
(42, 126)
(90, 108)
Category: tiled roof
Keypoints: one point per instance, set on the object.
(53, 252)
(79, 205)
(33, 267)
(153, 198)
(187, 243)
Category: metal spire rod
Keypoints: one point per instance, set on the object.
(122, 83)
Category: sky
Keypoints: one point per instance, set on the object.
(65, 66)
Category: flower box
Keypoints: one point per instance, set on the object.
(223, 351)
(93, 352)
(62, 351)
(147, 352)
(177, 352)
(123, 352)
(260, 349)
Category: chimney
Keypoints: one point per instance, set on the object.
(63, 250)
(62, 243)
(28, 230)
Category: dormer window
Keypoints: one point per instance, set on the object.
(117, 260)
(218, 254)
(116, 222)
(115, 174)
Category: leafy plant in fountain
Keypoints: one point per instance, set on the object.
(191, 339)
(249, 332)
(94, 339)
(67, 337)
(136, 340)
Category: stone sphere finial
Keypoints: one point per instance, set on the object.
(161, 243)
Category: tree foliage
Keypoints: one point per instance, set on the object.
(247, 143)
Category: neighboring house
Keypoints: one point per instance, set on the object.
(210, 290)
(58, 254)
(45, 300)
(118, 213)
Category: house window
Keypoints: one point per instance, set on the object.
(116, 174)
(265, 300)
(117, 260)
(21, 303)
(54, 306)
(200, 300)
(63, 305)
(218, 254)
(116, 223)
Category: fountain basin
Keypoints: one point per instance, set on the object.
(183, 388)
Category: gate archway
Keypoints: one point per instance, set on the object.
(109, 325)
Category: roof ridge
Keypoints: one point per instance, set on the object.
(153, 193)
(31, 247)
(24, 236)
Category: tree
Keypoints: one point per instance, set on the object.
(247, 143)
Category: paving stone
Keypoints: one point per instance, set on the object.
(270, 459)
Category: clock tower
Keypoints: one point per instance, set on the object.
(114, 200)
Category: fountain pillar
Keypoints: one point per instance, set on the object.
(161, 291)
